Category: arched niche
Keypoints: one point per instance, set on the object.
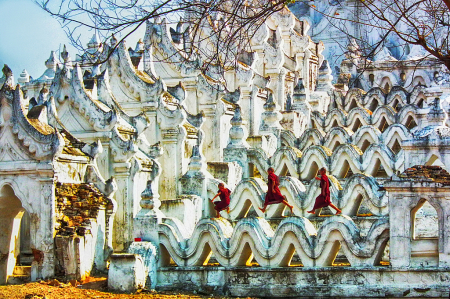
(253, 171)
(424, 235)
(421, 103)
(165, 259)
(410, 122)
(378, 170)
(355, 204)
(356, 125)
(335, 145)
(11, 212)
(310, 172)
(246, 209)
(383, 124)
(396, 104)
(353, 104)
(309, 143)
(284, 171)
(335, 124)
(374, 104)
(386, 85)
(345, 171)
(366, 143)
(396, 145)
(419, 80)
(426, 222)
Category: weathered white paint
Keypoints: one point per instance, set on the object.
(126, 273)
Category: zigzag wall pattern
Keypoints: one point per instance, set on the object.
(254, 238)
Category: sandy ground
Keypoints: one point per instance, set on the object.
(91, 288)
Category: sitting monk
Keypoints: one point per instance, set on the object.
(224, 203)
(324, 199)
(273, 195)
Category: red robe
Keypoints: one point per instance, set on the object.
(323, 200)
(273, 197)
(224, 200)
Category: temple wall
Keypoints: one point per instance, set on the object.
(166, 132)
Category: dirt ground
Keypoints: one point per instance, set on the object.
(94, 287)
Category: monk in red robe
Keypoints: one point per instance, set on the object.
(324, 199)
(273, 195)
(224, 203)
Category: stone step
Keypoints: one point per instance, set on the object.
(22, 270)
(18, 279)
(26, 259)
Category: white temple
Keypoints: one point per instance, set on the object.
(394, 62)
(110, 167)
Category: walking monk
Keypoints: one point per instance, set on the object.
(224, 203)
(324, 200)
(273, 194)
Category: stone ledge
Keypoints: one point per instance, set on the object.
(306, 282)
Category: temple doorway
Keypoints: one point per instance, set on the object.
(14, 237)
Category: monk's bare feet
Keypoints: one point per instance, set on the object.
(292, 209)
(338, 212)
(262, 210)
(228, 210)
(311, 212)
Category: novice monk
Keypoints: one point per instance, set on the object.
(273, 194)
(224, 203)
(324, 200)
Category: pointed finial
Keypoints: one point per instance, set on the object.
(196, 162)
(237, 117)
(65, 55)
(94, 42)
(9, 78)
(41, 98)
(325, 66)
(7, 72)
(139, 47)
(353, 50)
(300, 87)
(24, 77)
(148, 192)
(270, 104)
(52, 61)
(113, 41)
(300, 96)
(288, 102)
(195, 152)
(149, 200)
(324, 78)
(238, 133)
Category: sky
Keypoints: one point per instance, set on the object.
(28, 35)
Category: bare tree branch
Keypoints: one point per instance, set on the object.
(231, 23)
(424, 23)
